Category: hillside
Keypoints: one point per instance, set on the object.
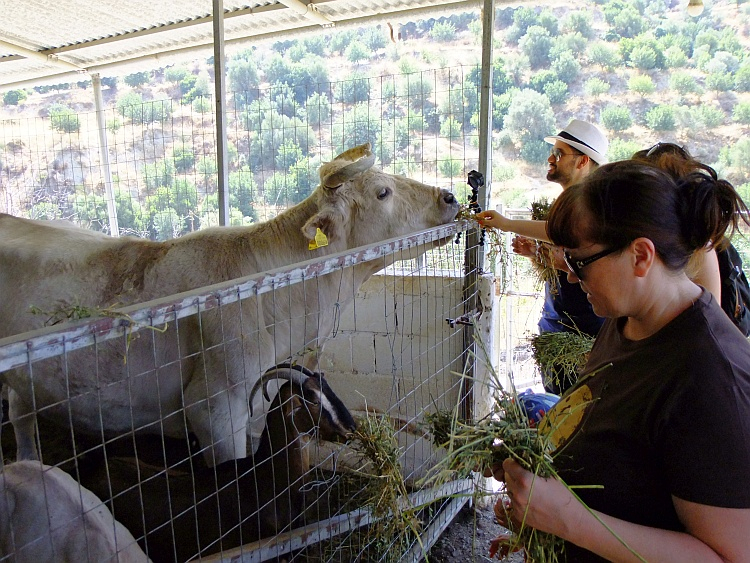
(645, 70)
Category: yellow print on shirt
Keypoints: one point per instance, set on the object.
(564, 419)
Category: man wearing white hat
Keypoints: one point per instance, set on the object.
(576, 151)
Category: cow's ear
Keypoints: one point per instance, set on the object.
(328, 221)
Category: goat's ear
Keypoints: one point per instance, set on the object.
(328, 221)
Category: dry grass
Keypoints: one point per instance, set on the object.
(566, 351)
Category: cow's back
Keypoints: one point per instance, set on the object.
(47, 266)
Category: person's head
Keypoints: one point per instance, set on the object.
(576, 151)
(673, 159)
(628, 208)
(679, 163)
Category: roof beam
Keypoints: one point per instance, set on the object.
(52, 59)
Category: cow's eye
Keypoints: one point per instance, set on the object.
(384, 193)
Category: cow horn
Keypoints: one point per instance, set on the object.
(362, 159)
(292, 373)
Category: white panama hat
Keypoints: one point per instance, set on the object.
(584, 136)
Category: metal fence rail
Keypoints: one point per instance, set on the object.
(415, 354)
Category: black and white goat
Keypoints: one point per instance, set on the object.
(178, 516)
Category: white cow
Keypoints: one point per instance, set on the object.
(45, 515)
(196, 375)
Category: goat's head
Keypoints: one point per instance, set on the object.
(308, 401)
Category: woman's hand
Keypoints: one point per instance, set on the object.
(542, 503)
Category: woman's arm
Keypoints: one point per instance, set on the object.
(525, 227)
(713, 533)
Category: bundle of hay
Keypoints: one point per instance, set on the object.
(563, 353)
(544, 260)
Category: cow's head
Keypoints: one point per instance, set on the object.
(360, 205)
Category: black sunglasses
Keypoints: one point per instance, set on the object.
(577, 265)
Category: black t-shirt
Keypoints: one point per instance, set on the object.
(669, 416)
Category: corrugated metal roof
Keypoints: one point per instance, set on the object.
(44, 40)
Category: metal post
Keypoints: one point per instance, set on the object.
(101, 123)
(474, 255)
(221, 121)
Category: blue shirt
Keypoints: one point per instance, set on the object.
(567, 309)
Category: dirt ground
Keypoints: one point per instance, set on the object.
(467, 538)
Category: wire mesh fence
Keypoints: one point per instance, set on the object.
(162, 157)
(113, 408)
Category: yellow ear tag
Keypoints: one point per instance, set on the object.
(320, 240)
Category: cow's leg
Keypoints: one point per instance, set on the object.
(24, 426)
(218, 422)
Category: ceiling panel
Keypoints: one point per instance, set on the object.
(43, 41)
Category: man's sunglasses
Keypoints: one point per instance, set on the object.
(558, 154)
(577, 265)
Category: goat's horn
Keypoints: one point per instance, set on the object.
(364, 161)
(293, 374)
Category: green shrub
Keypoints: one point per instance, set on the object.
(287, 154)
(566, 67)
(674, 57)
(354, 90)
(643, 58)
(159, 174)
(661, 118)
(318, 109)
(620, 149)
(373, 38)
(137, 79)
(604, 55)
(573, 42)
(719, 82)
(616, 118)
(176, 74)
(535, 151)
(340, 39)
(243, 191)
(443, 32)
(710, 116)
(183, 156)
(503, 173)
(416, 88)
(683, 83)
(64, 119)
(356, 52)
(739, 155)
(540, 79)
(14, 97)
(450, 129)
(741, 113)
(595, 87)
(113, 125)
(641, 84)
(580, 22)
(556, 91)
(742, 79)
(629, 23)
(451, 168)
(529, 117)
(548, 21)
(723, 62)
(536, 45)
(202, 105)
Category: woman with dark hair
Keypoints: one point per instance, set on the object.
(717, 268)
(656, 432)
